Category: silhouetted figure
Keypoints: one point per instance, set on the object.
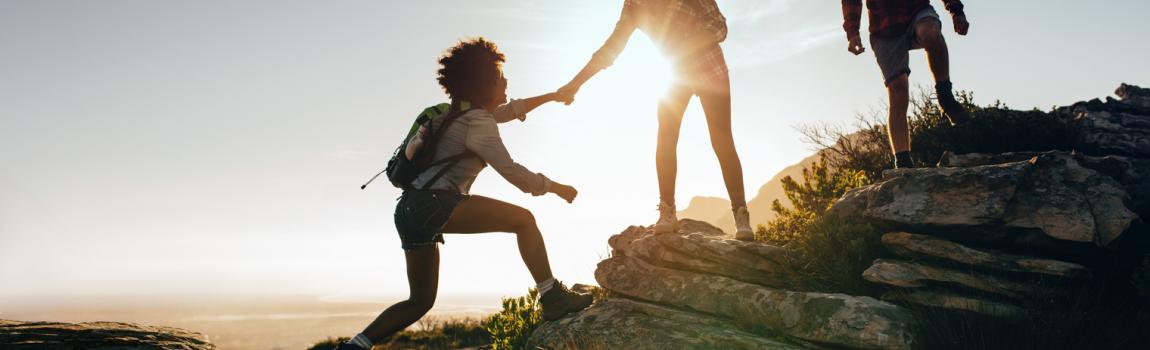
(472, 76)
(897, 27)
(689, 33)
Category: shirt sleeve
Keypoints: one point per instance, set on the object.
(511, 111)
(852, 16)
(955, 7)
(483, 139)
(615, 44)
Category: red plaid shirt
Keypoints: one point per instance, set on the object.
(680, 27)
(889, 17)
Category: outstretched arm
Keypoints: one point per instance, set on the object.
(606, 54)
(852, 16)
(483, 139)
(518, 109)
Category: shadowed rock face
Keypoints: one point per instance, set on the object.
(838, 319)
(1051, 194)
(97, 335)
(953, 254)
(958, 302)
(913, 275)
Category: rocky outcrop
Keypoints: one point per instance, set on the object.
(1050, 197)
(1131, 172)
(995, 234)
(1115, 127)
(708, 251)
(817, 317)
(619, 323)
(699, 288)
(97, 335)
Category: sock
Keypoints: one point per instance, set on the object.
(361, 341)
(545, 286)
(902, 160)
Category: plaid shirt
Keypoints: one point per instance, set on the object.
(889, 17)
(680, 27)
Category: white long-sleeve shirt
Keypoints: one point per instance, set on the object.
(478, 131)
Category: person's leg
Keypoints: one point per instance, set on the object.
(671, 110)
(898, 92)
(716, 102)
(929, 35)
(479, 214)
(423, 281)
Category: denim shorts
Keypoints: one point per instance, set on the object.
(893, 53)
(420, 216)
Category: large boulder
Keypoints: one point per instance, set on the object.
(699, 247)
(935, 249)
(1114, 127)
(17, 335)
(627, 324)
(1131, 172)
(834, 319)
(1052, 195)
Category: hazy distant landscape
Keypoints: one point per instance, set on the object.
(237, 323)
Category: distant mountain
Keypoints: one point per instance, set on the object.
(717, 211)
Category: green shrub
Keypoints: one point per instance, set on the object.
(434, 334)
(820, 188)
(328, 344)
(832, 254)
(510, 327)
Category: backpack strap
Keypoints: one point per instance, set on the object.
(451, 161)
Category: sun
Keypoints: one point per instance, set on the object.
(644, 68)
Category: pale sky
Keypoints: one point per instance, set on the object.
(217, 147)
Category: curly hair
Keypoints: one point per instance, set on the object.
(469, 70)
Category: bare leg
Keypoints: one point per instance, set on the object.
(423, 281)
(899, 93)
(716, 102)
(929, 35)
(671, 110)
(480, 214)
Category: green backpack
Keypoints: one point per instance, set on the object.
(415, 154)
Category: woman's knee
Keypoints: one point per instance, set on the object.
(524, 222)
(422, 302)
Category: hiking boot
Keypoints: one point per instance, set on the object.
(560, 301)
(668, 221)
(902, 160)
(953, 110)
(743, 231)
(348, 346)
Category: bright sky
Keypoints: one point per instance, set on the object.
(217, 147)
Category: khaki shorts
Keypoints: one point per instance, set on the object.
(893, 53)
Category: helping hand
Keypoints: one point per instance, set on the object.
(961, 26)
(854, 45)
(566, 94)
(568, 193)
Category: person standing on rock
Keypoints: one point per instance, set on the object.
(896, 28)
(689, 32)
(471, 73)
